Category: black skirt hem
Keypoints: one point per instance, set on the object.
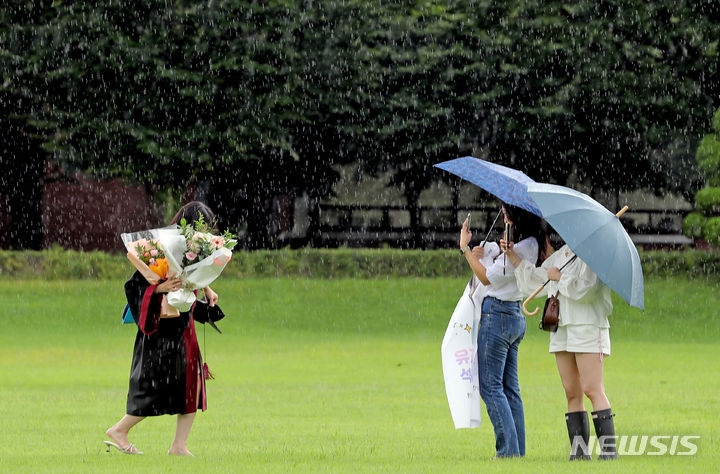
(155, 413)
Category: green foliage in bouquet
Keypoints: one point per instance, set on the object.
(201, 240)
(149, 251)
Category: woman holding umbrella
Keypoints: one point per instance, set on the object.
(606, 259)
(502, 328)
(580, 343)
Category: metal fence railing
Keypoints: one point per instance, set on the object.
(437, 226)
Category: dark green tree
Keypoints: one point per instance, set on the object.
(171, 95)
(607, 88)
(704, 222)
(257, 99)
(21, 158)
(601, 89)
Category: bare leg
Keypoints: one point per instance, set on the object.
(590, 367)
(182, 431)
(119, 432)
(570, 376)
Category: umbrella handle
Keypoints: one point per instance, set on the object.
(524, 305)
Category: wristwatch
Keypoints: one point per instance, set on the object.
(465, 249)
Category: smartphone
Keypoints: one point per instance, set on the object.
(468, 220)
(508, 238)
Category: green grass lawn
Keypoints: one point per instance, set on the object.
(338, 376)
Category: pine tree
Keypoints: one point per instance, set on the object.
(704, 222)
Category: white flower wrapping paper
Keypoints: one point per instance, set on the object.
(194, 277)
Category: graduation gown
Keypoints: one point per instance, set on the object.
(166, 364)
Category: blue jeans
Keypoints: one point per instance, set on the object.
(501, 330)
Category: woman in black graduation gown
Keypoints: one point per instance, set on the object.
(166, 377)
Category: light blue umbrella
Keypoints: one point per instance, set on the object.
(596, 236)
(505, 183)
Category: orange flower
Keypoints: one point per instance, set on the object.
(160, 267)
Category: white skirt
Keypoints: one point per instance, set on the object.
(580, 338)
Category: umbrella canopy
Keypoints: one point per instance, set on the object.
(505, 183)
(596, 236)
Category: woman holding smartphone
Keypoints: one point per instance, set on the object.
(502, 328)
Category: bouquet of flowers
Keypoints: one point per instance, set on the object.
(201, 243)
(151, 254)
(146, 253)
(198, 257)
(191, 251)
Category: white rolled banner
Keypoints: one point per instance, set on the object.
(459, 351)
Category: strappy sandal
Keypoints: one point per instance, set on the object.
(131, 449)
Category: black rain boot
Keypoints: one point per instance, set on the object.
(578, 428)
(605, 431)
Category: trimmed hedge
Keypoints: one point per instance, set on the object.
(708, 201)
(708, 157)
(693, 225)
(691, 263)
(348, 263)
(711, 231)
(59, 264)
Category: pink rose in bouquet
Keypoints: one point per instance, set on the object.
(150, 253)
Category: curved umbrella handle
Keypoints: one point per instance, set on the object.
(524, 305)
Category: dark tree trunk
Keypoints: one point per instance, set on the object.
(412, 196)
(239, 195)
(455, 201)
(313, 230)
(24, 173)
(190, 192)
(257, 220)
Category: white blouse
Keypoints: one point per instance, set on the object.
(584, 299)
(501, 273)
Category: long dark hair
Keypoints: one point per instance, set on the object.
(192, 211)
(526, 225)
(553, 241)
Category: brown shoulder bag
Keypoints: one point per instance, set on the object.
(551, 314)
